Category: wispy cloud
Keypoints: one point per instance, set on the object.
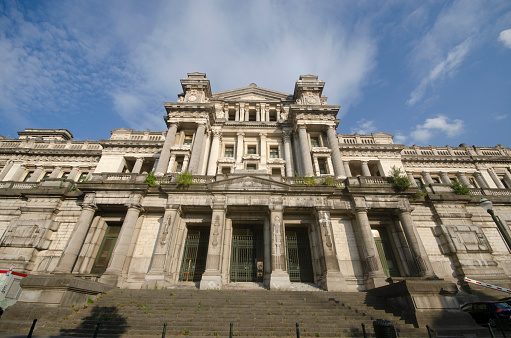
(364, 127)
(499, 117)
(423, 133)
(505, 38)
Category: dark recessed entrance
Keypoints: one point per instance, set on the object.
(247, 254)
(195, 253)
(107, 247)
(299, 263)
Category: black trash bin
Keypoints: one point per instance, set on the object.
(384, 329)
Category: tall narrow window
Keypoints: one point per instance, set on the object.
(232, 115)
(229, 151)
(322, 166)
(251, 150)
(179, 164)
(252, 115)
(273, 115)
(315, 141)
(188, 140)
(274, 152)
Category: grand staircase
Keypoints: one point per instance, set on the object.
(197, 313)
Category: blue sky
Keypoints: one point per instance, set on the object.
(428, 72)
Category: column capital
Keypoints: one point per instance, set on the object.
(302, 126)
(173, 124)
(89, 206)
(329, 127)
(286, 134)
(216, 132)
(240, 134)
(262, 135)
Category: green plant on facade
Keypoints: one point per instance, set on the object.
(419, 193)
(459, 189)
(151, 179)
(327, 180)
(305, 180)
(184, 179)
(399, 181)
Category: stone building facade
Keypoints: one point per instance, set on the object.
(277, 198)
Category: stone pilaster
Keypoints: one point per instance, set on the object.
(365, 168)
(304, 147)
(18, 174)
(239, 151)
(279, 277)
(172, 161)
(36, 174)
(74, 245)
(115, 267)
(287, 153)
(163, 162)
(214, 153)
(197, 149)
(185, 163)
(264, 153)
(5, 170)
(72, 175)
(212, 277)
(332, 278)
(336, 153)
(347, 169)
(55, 172)
(415, 244)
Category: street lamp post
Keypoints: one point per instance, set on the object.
(487, 205)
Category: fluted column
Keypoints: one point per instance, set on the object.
(415, 244)
(445, 178)
(74, 245)
(36, 174)
(332, 278)
(197, 149)
(368, 251)
(496, 179)
(411, 179)
(212, 277)
(336, 153)
(464, 180)
(163, 162)
(365, 168)
(138, 165)
(347, 169)
(116, 265)
(55, 172)
(480, 180)
(306, 153)
(239, 151)
(287, 153)
(427, 178)
(5, 170)
(213, 154)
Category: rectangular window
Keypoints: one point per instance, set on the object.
(179, 164)
(276, 172)
(251, 166)
(273, 115)
(251, 150)
(322, 166)
(274, 152)
(232, 115)
(229, 151)
(314, 141)
(188, 140)
(252, 115)
(226, 170)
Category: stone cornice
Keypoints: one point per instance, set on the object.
(130, 143)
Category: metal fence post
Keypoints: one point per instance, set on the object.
(297, 330)
(32, 328)
(164, 330)
(491, 331)
(97, 330)
(230, 330)
(364, 330)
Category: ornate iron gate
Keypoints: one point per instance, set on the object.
(193, 263)
(299, 263)
(247, 258)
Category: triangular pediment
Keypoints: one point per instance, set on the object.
(248, 183)
(251, 93)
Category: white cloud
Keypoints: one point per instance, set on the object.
(505, 38)
(364, 127)
(400, 138)
(432, 126)
(500, 117)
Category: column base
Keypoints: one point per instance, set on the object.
(111, 278)
(334, 281)
(211, 281)
(279, 280)
(376, 281)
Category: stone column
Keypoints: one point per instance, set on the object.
(163, 162)
(18, 174)
(427, 178)
(306, 153)
(411, 179)
(74, 245)
(507, 179)
(332, 278)
(55, 172)
(415, 244)
(240, 112)
(267, 253)
(336, 153)
(480, 180)
(287, 153)
(464, 180)
(5, 170)
(185, 163)
(279, 277)
(496, 179)
(163, 242)
(368, 252)
(114, 270)
(138, 165)
(264, 155)
(315, 165)
(172, 160)
(214, 153)
(365, 168)
(197, 149)
(347, 169)
(212, 277)
(36, 174)
(444, 178)
(239, 151)
(74, 172)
